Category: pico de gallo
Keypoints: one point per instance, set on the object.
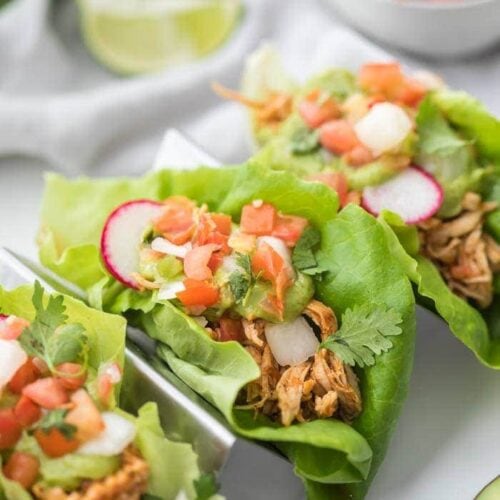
(60, 433)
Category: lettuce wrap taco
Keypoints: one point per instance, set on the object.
(295, 322)
(400, 143)
(62, 435)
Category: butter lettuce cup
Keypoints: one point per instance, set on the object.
(400, 142)
(62, 433)
(295, 321)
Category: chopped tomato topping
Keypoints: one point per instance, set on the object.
(25, 375)
(198, 293)
(72, 376)
(338, 136)
(381, 78)
(258, 220)
(272, 267)
(222, 222)
(315, 111)
(176, 221)
(27, 412)
(23, 468)
(359, 155)
(196, 262)
(54, 443)
(336, 181)
(230, 329)
(289, 228)
(47, 392)
(387, 80)
(84, 416)
(11, 327)
(353, 197)
(10, 429)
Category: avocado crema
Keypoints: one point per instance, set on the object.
(243, 282)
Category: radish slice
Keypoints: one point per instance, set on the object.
(118, 433)
(169, 291)
(291, 343)
(414, 195)
(3, 317)
(162, 245)
(121, 237)
(384, 127)
(12, 357)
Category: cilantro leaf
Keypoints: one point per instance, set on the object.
(304, 141)
(241, 280)
(303, 257)
(55, 420)
(206, 486)
(47, 338)
(364, 334)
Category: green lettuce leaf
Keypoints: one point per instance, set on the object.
(326, 451)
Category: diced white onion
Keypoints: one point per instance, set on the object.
(201, 320)
(12, 357)
(169, 291)
(279, 246)
(118, 433)
(291, 343)
(384, 127)
(162, 245)
(428, 79)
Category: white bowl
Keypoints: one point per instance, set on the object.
(425, 27)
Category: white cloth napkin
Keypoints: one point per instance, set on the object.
(58, 105)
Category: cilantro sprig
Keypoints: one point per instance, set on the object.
(303, 256)
(304, 141)
(241, 279)
(48, 337)
(364, 334)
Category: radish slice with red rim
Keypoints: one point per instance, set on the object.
(414, 194)
(121, 238)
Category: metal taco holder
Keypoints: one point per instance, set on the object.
(246, 470)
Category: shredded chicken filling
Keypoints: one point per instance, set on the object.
(466, 256)
(321, 387)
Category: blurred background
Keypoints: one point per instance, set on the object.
(88, 87)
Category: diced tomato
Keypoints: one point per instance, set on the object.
(289, 228)
(353, 197)
(411, 93)
(381, 78)
(54, 443)
(10, 429)
(47, 392)
(258, 219)
(23, 468)
(176, 222)
(12, 327)
(336, 181)
(72, 376)
(267, 262)
(196, 262)
(338, 136)
(230, 329)
(25, 375)
(359, 155)
(222, 222)
(198, 293)
(84, 416)
(27, 412)
(314, 112)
